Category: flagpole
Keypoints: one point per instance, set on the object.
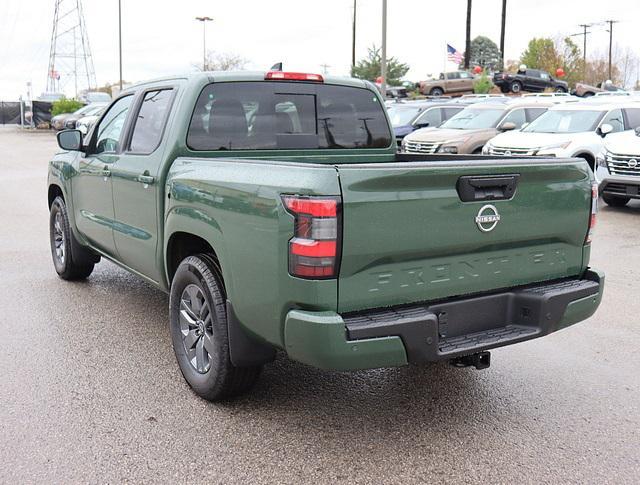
(446, 53)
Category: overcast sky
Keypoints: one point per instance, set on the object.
(161, 36)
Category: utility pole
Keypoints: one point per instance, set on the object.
(383, 64)
(467, 48)
(204, 21)
(120, 40)
(584, 34)
(610, 22)
(502, 30)
(353, 36)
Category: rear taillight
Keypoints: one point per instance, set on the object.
(594, 210)
(293, 76)
(314, 249)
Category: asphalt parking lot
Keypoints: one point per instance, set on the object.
(90, 391)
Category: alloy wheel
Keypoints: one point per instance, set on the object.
(196, 326)
(59, 238)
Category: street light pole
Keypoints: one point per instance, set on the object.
(120, 39)
(353, 36)
(502, 29)
(204, 21)
(383, 63)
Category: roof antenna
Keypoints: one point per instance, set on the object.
(276, 67)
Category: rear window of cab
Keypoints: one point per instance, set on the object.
(277, 115)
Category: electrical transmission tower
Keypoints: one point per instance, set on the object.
(70, 61)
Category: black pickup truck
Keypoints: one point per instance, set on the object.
(532, 80)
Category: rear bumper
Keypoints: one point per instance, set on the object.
(440, 331)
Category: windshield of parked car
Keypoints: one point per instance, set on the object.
(403, 115)
(565, 121)
(474, 119)
(287, 115)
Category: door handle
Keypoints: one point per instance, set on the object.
(146, 179)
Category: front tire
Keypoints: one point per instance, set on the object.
(561, 89)
(199, 332)
(437, 92)
(615, 201)
(70, 259)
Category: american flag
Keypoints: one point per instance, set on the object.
(454, 55)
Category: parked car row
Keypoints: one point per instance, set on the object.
(69, 120)
(603, 130)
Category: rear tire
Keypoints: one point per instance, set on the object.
(615, 201)
(71, 260)
(199, 332)
(516, 87)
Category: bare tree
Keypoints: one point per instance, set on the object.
(223, 61)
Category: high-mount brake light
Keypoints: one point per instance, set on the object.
(592, 216)
(293, 76)
(314, 248)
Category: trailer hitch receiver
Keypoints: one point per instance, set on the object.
(480, 360)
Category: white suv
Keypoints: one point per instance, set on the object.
(568, 130)
(618, 168)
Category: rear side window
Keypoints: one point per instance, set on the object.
(286, 115)
(449, 112)
(633, 117)
(430, 117)
(614, 118)
(533, 113)
(150, 121)
(517, 117)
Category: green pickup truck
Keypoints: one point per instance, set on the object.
(274, 210)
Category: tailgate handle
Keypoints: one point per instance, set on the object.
(492, 187)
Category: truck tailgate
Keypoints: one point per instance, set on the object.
(408, 236)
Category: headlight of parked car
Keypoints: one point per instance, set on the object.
(486, 149)
(553, 149)
(601, 158)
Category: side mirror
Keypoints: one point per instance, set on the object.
(637, 130)
(605, 129)
(70, 140)
(422, 125)
(508, 126)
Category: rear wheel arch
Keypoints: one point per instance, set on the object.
(181, 245)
